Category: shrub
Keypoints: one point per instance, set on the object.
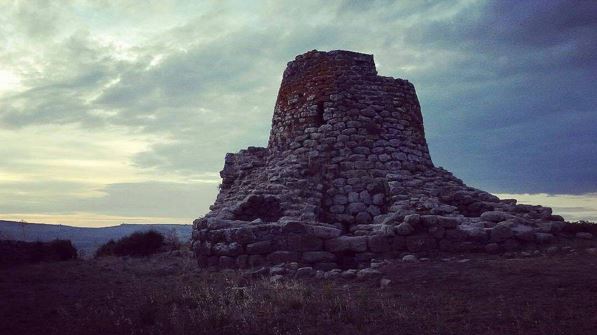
(63, 250)
(20, 252)
(580, 226)
(137, 244)
(172, 240)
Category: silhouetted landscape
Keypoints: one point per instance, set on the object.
(85, 239)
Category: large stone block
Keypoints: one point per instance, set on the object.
(224, 249)
(437, 231)
(318, 256)
(429, 220)
(281, 256)
(293, 227)
(257, 248)
(380, 243)
(299, 242)
(495, 216)
(242, 261)
(404, 229)
(523, 232)
(476, 234)
(399, 243)
(347, 243)
(203, 248)
(363, 218)
(412, 219)
(324, 232)
(544, 237)
(256, 261)
(202, 261)
(227, 262)
(448, 222)
(421, 242)
(244, 235)
(356, 207)
(456, 234)
(500, 233)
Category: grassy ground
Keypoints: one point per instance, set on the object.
(164, 294)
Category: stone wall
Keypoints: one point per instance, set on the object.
(347, 176)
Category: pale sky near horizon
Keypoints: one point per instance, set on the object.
(122, 111)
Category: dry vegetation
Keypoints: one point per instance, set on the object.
(19, 252)
(137, 244)
(164, 294)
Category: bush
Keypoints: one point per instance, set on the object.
(137, 244)
(581, 227)
(20, 252)
(63, 250)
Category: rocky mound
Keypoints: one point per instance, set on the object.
(347, 177)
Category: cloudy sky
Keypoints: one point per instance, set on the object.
(122, 111)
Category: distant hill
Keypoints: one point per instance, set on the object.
(85, 239)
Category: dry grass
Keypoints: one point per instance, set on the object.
(168, 295)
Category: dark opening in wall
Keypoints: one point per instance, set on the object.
(373, 128)
(319, 116)
(346, 260)
(254, 207)
(346, 227)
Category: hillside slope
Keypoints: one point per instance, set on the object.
(85, 239)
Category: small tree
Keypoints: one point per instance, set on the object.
(171, 239)
(137, 244)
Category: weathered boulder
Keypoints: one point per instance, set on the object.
(495, 216)
(544, 237)
(500, 233)
(304, 272)
(523, 232)
(304, 242)
(404, 229)
(324, 232)
(422, 242)
(412, 219)
(369, 273)
(410, 258)
(318, 256)
(347, 243)
(448, 222)
(477, 234)
(585, 236)
(282, 256)
(262, 247)
(379, 243)
(224, 249)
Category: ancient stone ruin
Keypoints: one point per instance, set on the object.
(347, 177)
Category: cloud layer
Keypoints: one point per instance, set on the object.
(506, 90)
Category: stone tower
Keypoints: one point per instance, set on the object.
(347, 176)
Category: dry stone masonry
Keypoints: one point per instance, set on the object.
(347, 177)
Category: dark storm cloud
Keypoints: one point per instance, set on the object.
(517, 100)
(505, 86)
